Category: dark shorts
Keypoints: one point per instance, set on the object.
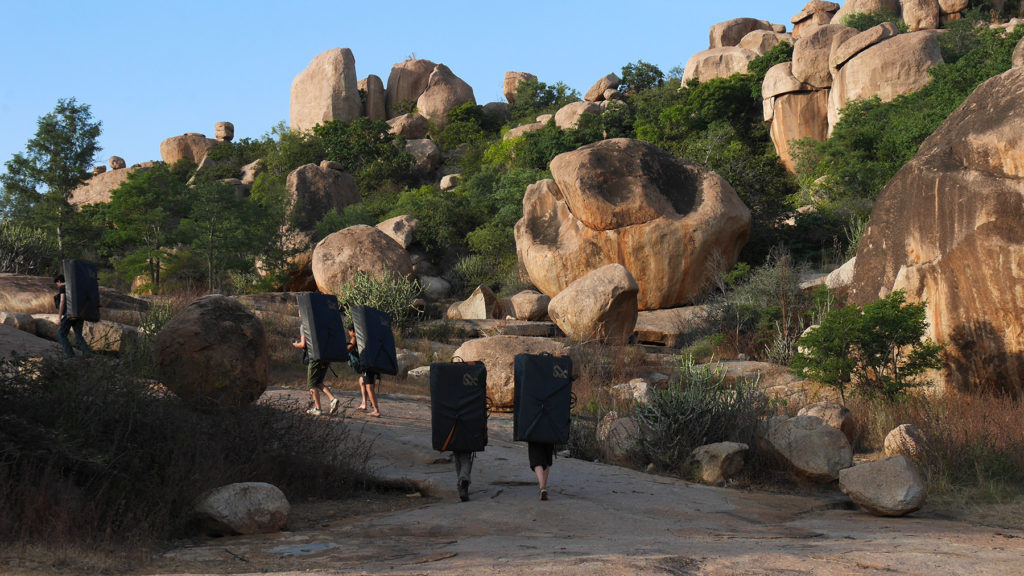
(316, 371)
(368, 376)
(541, 454)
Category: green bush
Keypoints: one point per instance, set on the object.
(864, 20)
(879, 349)
(367, 149)
(534, 98)
(467, 124)
(91, 452)
(26, 251)
(640, 76)
(698, 408)
(391, 294)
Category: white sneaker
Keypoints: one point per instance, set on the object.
(314, 412)
(334, 406)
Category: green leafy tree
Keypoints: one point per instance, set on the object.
(219, 229)
(534, 98)
(367, 149)
(881, 348)
(38, 183)
(143, 215)
(640, 76)
(467, 124)
(864, 20)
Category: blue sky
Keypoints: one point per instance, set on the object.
(151, 70)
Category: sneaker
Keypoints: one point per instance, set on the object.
(314, 412)
(334, 406)
(543, 493)
(463, 490)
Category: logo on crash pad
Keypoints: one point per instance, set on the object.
(559, 372)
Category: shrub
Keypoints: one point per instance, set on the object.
(467, 124)
(534, 98)
(878, 348)
(697, 408)
(392, 294)
(864, 20)
(24, 250)
(640, 76)
(91, 452)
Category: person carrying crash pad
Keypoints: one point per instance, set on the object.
(367, 377)
(60, 300)
(316, 372)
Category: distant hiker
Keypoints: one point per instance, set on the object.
(316, 371)
(541, 408)
(60, 300)
(458, 414)
(366, 376)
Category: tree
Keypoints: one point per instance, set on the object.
(143, 216)
(57, 160)
(640, 76)
(219, 227)
(880, 349)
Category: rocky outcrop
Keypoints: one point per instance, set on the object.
(410, 126)
(896, 66)
(730, 32)
(859, 43)
(213, 354)
(811, 54)
(357, 249)
(1017, 59)
(905, 440)
(406, 82)
(444, 92)
(618, 439)
(426, 155)
(499, 352)
(512, 82)
(98, 187)
(374, 97)
(815, 13)
(762, 41)
(102, 336)
(599, 306)
(718, 63)
(117, 163)
(798, 115)
(482, 304)
(921, 14)
(597, 91)
(243, 508)
(529, 305)
(18, 321)
(808, 446)
(834, 414)
(326, 90)
(946, 228)
(519, 131)
(890, 487)
(15, 343)
(314, 190)
(568, 116)
(720, 461)
(34, 295)
(400, 229)
(449, 181)
(224, 131)
(190, 146)
(622, 201)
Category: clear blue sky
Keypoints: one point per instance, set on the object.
(151, 70)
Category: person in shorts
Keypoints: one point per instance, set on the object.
(367, 377)
(316, 372)
(541, 455)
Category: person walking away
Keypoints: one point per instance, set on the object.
(66, 324)
(366, 376)
(541, 457)
(316, 372)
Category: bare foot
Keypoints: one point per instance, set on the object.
(375, 414)
(362, 407)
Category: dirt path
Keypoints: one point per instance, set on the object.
(600, 520)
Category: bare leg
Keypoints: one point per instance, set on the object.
(542, 476)
(372, 395)
(362, 392)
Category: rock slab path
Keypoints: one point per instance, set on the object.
(600, 519)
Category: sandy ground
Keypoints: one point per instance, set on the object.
(600, 519)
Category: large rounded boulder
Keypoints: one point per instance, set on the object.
(498, 353)
(408, 79)
(623, 201)
(190, 146)
(213, 353)
(313, 190)
(947, 230)
(599, 306)
(326, 90)
(339, 257)
(445, 91)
